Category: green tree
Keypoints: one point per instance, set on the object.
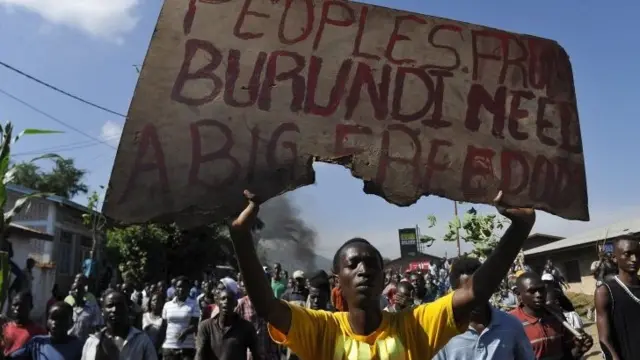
(64, 179)
(482, 231)
(156, 251)
(10, 210)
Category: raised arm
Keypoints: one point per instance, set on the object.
(487, 278)
(603, 306)
(258, 288)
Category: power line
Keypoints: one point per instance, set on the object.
(67, 147)
(87, 102)
(43, 113)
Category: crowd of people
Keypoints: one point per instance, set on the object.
(463, 308)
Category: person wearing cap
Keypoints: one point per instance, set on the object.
(550, 282)
(298, 293)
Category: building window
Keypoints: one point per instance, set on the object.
(572, 271)
(65, 251)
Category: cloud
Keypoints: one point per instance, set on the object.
(111, 132)
(108, 19)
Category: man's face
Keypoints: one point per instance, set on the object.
(627, 254)
(127, 289)
(182, 290)
(533, 293)
(417, 281)
(59, 322)
(300, 283)
(77, 291)
(360, 274)
(403, 297)
(207, 287)
(115, 309)
(226, 301)
(21, 307)
(318, 298)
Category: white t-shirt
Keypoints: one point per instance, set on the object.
(154, 324)
(178, 316)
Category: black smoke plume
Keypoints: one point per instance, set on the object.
(283, 223)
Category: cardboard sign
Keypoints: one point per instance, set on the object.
(239, 94)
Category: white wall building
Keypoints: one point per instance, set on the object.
(62, 220)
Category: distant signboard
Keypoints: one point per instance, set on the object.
(408, 242)
(418, 265)
(607, 248)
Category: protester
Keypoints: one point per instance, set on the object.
(180, 317)
(403, 297)
(135, 310)
(59, 344)
(359, 266)
(278, 285)
(298, 293)
(337, 298)
(616, 302)
(27, 272)
(118, 340)
(55, 297)
(553, 305)
(89, 298)
(171, 290)
(226, 336)
(17, 333)
(548, 337)
(319, 292)
(492, 334)
(152, 322)
(195, 290)
(419, 289)
(85, 317)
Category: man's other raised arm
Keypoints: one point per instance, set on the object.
(487, 278)
(256, 284)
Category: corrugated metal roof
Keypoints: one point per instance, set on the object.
(631, 226)
(55, 198)
(30, 231)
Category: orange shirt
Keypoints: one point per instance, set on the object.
(337, 300)
(418, 333)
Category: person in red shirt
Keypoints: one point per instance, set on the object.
(337, 298)
(16, 333)
(548, 337)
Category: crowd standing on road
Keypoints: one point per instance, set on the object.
(464, 308)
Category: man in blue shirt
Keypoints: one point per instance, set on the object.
(492, 334)
(58, 345)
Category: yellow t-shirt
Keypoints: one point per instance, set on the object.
(418, 333)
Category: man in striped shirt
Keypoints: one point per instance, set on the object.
(549, 339)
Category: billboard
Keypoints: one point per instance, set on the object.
(408, 242)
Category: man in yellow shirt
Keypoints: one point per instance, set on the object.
(365, 331)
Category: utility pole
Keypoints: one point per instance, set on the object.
(455, 212)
